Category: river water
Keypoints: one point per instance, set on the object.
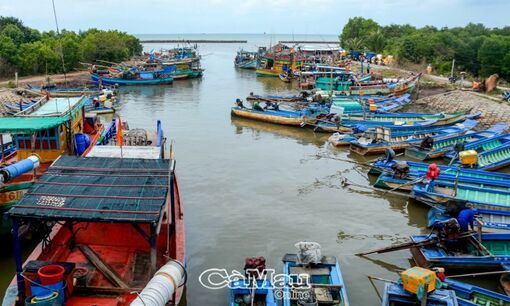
(255, 189)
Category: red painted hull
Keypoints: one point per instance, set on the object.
(120, 246)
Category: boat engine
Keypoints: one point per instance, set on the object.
(427, 143)
(400, 169)
(11, 172)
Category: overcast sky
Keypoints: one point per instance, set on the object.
(250, 16)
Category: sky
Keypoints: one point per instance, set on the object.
(250, 16)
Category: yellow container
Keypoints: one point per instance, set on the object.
(416, 277)
(373, 107)
(102, 98)
(468, 157)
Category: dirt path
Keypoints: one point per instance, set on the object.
(76, 76)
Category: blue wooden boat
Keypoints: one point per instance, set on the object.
(395, 294)
(241, 291)
(471, 295)
(483, 145)
(441, 147)
(486, 197)
(283, 117)
(493, 220)
(493, 159)
(326, 273)
(490, 253)
(147, 78)
(390, 120)
(400, 140)
(277, 98)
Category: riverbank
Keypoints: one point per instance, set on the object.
(71, 77)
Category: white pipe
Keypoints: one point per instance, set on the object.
(162, 286)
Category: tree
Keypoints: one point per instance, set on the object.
(7, 49)
(357, 28)
(491, 54)
(376, 41)
(14, 33)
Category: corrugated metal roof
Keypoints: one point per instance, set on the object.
(98, 189)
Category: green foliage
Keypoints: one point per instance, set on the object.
(477, 50)
(28, 51)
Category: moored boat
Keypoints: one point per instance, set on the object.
(398, 141)
(483, 145)
(320, 282)
(246, 60)
(137, 78)
(395, 294)
(282, 117)
(254, 288)
(493, 159)
(471, 295)
(443, 146)
(490, 253)
(48, 129)
(142, 213)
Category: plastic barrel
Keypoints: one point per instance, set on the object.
(81, 146)
(51, 274)
(47, 294)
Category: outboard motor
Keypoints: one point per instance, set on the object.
(459, 146)
(427, 143)
(400, 169)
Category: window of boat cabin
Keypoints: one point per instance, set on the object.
(45, 140)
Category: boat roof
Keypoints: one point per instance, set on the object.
(54, 107)
(98, 189)
(42, 115)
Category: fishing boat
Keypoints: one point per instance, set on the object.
(277, 98)
(482, 145)
(395, 294)
(246, 60)
(391, 121)
(282, 117)
(55, 91)
(254, 288)
(242, 291)
(491, 219)
(440, 148)
(48, 129)
(489, 253)
(493, 159)
(133, 77)
(348, 85)
(322, 278)
(142, 213)
(486, 197)
(471, 295)
(279, 59)
(400, 140)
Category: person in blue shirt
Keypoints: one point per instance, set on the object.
(466, 218)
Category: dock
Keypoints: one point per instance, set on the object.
(193, 41)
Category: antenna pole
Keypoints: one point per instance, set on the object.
(60, 43)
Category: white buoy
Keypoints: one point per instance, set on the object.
(162, 286)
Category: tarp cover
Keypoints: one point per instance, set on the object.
(27, 125)
(98, 189)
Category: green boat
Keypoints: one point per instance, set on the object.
(10, 195)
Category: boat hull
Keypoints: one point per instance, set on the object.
(122, 82)
(267, 117)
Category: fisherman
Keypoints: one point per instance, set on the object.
(368, 68)
(256, 106)
(239, 103)
(466, 218)
(504, 281)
